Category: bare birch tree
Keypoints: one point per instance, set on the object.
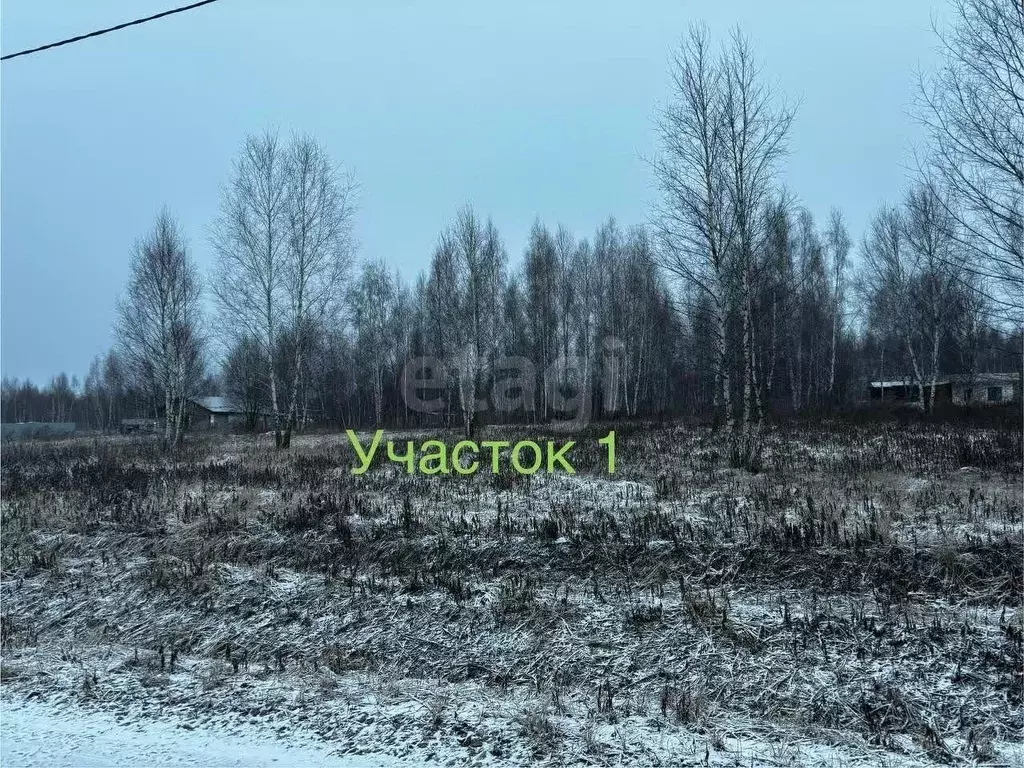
(158, 321)
(493, 276)
(722, 138)
(588, 305)
(372, 303)
(450, 339)
(565, 298)
(887, 279)
(250, 239)
(283, 244)
(974, 108)
(319, 210)
(934, 270)
(838, 242)
(755, 132)
(541, 274)
(692, 220)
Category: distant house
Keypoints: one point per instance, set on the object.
(221, 413)
(213, 412)
(962, 389)
(893, 391)
(966, 389)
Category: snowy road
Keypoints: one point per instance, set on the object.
(35, 734)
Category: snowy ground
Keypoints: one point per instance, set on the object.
(34, 735)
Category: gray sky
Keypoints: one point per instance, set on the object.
(537, 108)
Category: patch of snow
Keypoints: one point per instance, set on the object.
(36, 734)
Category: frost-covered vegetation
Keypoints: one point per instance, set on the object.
(856, 601)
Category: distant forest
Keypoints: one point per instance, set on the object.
(730, 300)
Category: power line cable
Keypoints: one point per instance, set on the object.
(99, 32)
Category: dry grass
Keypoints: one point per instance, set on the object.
(861, 591)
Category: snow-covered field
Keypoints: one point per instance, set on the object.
(857, 602)
(34, 734)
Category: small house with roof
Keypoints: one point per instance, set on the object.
(214, 412)
(962, 389)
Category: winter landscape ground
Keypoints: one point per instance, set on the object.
(856, 601)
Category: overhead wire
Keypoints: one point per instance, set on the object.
(98, 32)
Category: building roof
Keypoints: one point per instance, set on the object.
(983, 378)
(215, 404)
(979, 379)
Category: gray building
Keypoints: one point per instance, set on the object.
(980, 388)
(220, 413)
(961, 389)
(212, 412)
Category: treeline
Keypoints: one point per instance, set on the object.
(100, 401)
(568, 299)
(730, 300)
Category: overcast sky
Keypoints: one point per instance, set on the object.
(536, 109)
